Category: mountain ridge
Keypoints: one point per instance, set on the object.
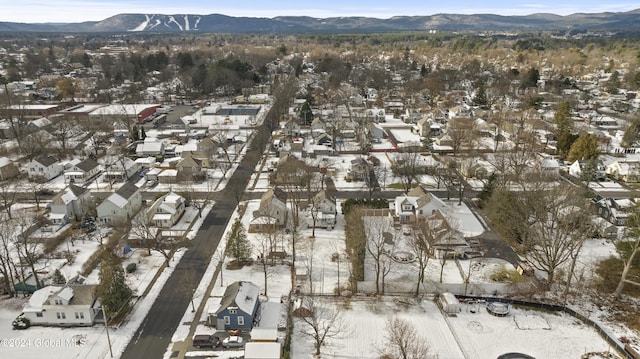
(219, 23)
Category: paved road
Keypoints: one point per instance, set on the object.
(154, 335)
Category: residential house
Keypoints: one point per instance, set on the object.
(272, 211)
(616, 211)
(423, 127)
(325, 211)
(591, 170)
(291, 128)
(166, 210)
(82, 171)
(72, 305)
(208, 147)
(238, 307)
(375, 132)
(121, 205)
(44, 168)
(476, 168)
(72, 203)
(418, 205)
(150, 147)
(626, 171)
(119, 169)
(188, 168)
(8, 169)
(360, 168)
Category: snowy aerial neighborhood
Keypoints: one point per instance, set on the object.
(233, 196)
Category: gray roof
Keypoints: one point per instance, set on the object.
(127, 190)
(87, 165)
(46, 160)
(77, 190)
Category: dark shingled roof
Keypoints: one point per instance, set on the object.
(87, 165)
(127, 190)
(46, 160)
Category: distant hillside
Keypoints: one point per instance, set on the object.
(300, 24)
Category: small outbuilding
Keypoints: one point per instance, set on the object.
(449, 303)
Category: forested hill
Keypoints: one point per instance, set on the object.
(216, 23)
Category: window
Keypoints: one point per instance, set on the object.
(227, 320)
(39, 314)
(240, 320)
(61, 315)
(233, 311)
(79, 315)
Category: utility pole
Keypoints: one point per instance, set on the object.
(106, 328)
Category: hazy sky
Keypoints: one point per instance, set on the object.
(89, 10)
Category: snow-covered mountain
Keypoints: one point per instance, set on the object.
(298, 24)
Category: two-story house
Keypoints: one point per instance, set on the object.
(272, 211)
(627, 171)
(72, 203)
(166, 210)
(72, 305)
(238, 307)
(82, 171)
(121, 205)
(325, 211)
(8, 169)
(44, 168)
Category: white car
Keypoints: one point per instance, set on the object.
(233, 342)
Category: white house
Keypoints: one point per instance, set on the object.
(150, 147)
(8, 169)
(419, 205)
(119, 169)
(627, 171)
(73, 305)
(272, 210)
(166, 210)
(121, 205)
(82, 171)
(325, 210)
(594, 169)
(70, 203)
(44, 168)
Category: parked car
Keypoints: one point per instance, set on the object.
(233, 342)
(205, 340)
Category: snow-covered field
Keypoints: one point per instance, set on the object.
(470, 335)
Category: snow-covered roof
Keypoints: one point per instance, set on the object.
(39, 297)
(117, 200)
(66, 293)
(122, 109)
(254, 350)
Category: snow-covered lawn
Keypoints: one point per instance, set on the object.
(468, 335)
(83, 342)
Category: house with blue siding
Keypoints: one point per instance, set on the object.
(238, 307)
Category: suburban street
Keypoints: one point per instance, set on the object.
(154, 335)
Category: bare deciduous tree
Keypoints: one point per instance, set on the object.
(562, 223)
(381, 237)
(324, 322)
(407, 166)
(402, 341)
(142, 228)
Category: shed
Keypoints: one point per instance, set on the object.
(449, 303)
(264, 335)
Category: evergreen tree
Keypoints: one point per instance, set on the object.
(112, 290)
(584, 148)
(562, 118)
(135, 135)
(306, 115)
(238, 245)
(480, 99)
(58, 278)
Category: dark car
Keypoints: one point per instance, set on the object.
(205, 340)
